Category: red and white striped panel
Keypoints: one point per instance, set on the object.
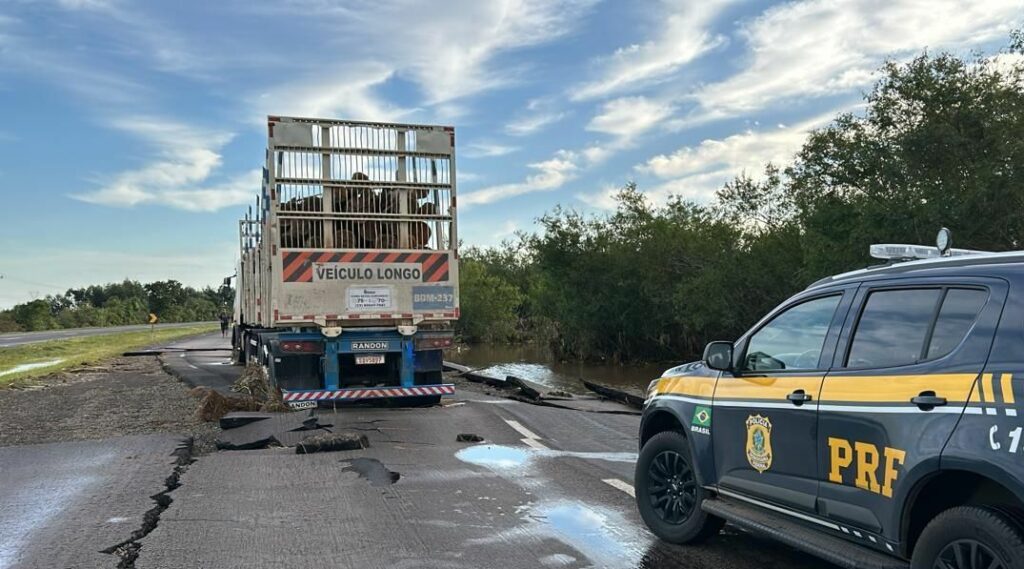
(313, 317)
(369, 393)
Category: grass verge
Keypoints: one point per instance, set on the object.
(21, 363)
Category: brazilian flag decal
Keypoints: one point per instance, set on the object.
(701, 420)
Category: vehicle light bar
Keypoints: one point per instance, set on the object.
(897, 252)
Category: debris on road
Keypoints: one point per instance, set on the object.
(237, 419)
(617, 394)
(468, 438)
(330, 442)
(255, 383)
(213, 405)
(279, 429)
(372, 470)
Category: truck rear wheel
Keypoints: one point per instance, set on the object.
(668, 494)
(970, 537)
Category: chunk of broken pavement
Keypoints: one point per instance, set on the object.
(328, 442)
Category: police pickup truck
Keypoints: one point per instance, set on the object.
(870, 420)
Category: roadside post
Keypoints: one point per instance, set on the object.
(152, 325)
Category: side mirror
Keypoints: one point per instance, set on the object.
(718, 355)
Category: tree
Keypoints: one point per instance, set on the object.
(487, 303)
(939, 144)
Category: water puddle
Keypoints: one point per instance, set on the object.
(26, 367)
(589, 530)
(592, 536)
(495, 456)
(506, 457)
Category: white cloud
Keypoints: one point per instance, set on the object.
(550, 175)
(628, 117)
(350, 93)
(529, 124)
(538, 114)
(601, 199)
(682, 36)
(488, 150)
(696, 172)
(187, 157)
(447, 51)
(824, 47)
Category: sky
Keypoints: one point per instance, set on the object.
(134, 131)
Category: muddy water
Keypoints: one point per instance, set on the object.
(536, 364)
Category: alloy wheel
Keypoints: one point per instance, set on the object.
(672, 489)
(967, 554)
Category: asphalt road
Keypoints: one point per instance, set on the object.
(21, 338)
(547, 487)
(62, 504)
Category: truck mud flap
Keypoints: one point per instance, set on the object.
(353, 394)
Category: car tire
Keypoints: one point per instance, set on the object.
(949, 538)
(668, 494)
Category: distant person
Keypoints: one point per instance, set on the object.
(224, 321)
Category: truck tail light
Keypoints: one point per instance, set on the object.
(433, 342)
(300, 346)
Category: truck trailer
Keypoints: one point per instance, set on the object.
(348, 277)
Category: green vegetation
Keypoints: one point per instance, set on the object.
(116, 304)
(85, 350)
(940, 142)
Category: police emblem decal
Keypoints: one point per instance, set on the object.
(759, 442)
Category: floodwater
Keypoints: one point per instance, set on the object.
(536, 364)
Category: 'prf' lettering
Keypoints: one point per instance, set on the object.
(843, 455)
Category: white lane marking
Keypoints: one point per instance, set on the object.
(522, 430)
(620, 485)
(530, 438)
(535, 444)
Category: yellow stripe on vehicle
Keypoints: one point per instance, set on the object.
(896, 388)
(766, 387)
(1006, 382)
(694, 386)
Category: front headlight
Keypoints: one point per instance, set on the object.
(652, 390)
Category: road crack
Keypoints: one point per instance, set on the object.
(128, 550)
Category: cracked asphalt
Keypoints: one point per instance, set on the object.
(547, 487)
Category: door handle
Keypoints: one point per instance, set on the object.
(927, 400)
(799, 397)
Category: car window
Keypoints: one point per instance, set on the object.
(793, 339)
(893, 327)
(959, 310)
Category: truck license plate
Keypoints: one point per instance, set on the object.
(302, 405)
(369, 359)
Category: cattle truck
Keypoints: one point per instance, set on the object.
(348, 278)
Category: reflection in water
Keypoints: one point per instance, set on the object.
(590, 531)
(500, 456)
(536, 364)
(495, 456)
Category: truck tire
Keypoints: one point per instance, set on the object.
(966, 537)
(668, 494)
